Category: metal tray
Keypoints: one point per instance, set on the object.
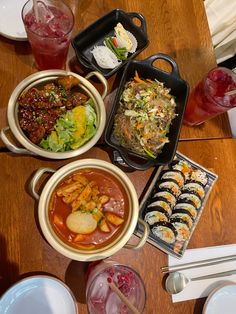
(178, 88)
(157, 242)
(95, 34)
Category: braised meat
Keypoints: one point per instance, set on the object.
(39, 108)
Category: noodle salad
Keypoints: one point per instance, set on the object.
(144, 117)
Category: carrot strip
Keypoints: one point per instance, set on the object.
(137, 78)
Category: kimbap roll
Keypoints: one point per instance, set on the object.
(184, 215)
(165, 231)
(162, 204)
(175, 175)
(198, 176)
(169, 186)
(167, 196)
(194, 187)
(191, 199)
(182, 229)
(182, 166)
(188, 207)
(156, 216)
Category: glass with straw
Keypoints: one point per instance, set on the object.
(48, 25)
(213, 95)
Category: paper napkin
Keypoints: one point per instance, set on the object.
(202, 288)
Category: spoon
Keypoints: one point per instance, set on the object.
(176, 282)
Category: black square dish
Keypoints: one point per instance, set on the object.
(178, 88)
(95, 34)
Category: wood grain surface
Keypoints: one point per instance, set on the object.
(178, 28)
(24, 250)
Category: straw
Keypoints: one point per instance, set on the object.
(36, 12)
(115, 289)
(231, 92)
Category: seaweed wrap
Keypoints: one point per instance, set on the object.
(184, 215)
(194, 187)
(191, 199)
(165, 196)
(175, 175)
(165, 231)
(159, 203)
(156, 215)
(188, 207)
(170, 186)
(182, 229)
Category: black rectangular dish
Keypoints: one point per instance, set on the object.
(173, 216)
(95, 34)
(178, 89)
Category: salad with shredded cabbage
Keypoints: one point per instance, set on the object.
(72, 129)
(144, 116)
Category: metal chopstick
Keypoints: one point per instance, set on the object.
(207, 262)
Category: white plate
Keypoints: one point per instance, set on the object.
(11, 24)
(38, 295)
(221, 300)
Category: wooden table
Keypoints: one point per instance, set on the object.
(180, 29)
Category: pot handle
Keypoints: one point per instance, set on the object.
(143, 239)
(101, 79)
(162, 56)
(11, 146)
(38, 174)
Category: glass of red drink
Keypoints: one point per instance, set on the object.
(49, 28)
(101, 299)
(213, 95)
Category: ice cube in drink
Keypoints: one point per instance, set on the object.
(49, 36)
(101, 299)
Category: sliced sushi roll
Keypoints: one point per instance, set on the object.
(165, 231)
(175, 175)
(182, 229)
(191, 199)
(194, 187)
(182, 166)
(162, 204)
(170, 186)
(167, 196)
(156, 215)
(198, 176)
(184, 215)
(188, 207)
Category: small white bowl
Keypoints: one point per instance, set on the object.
(221, 300)
(37, 295)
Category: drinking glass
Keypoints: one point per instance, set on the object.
(48, 24)
(213, 95)
(102, 300)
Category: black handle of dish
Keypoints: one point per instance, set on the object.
(133, 164)
(141, 18)
(162, 56)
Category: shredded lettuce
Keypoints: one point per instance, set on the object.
(72, 129)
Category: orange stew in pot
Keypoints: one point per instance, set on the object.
(88, 209)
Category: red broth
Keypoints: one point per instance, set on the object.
(118, 204)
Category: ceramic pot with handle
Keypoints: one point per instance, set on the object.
(117, 242)
(42, 77)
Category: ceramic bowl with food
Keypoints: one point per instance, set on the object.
(55, 114)
(146, 118)
(88, 209)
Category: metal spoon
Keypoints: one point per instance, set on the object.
(176, 282)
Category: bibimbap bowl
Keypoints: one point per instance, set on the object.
(45, 78)
(55, 211)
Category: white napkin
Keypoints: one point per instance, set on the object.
(202, 288)
(221, 15)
